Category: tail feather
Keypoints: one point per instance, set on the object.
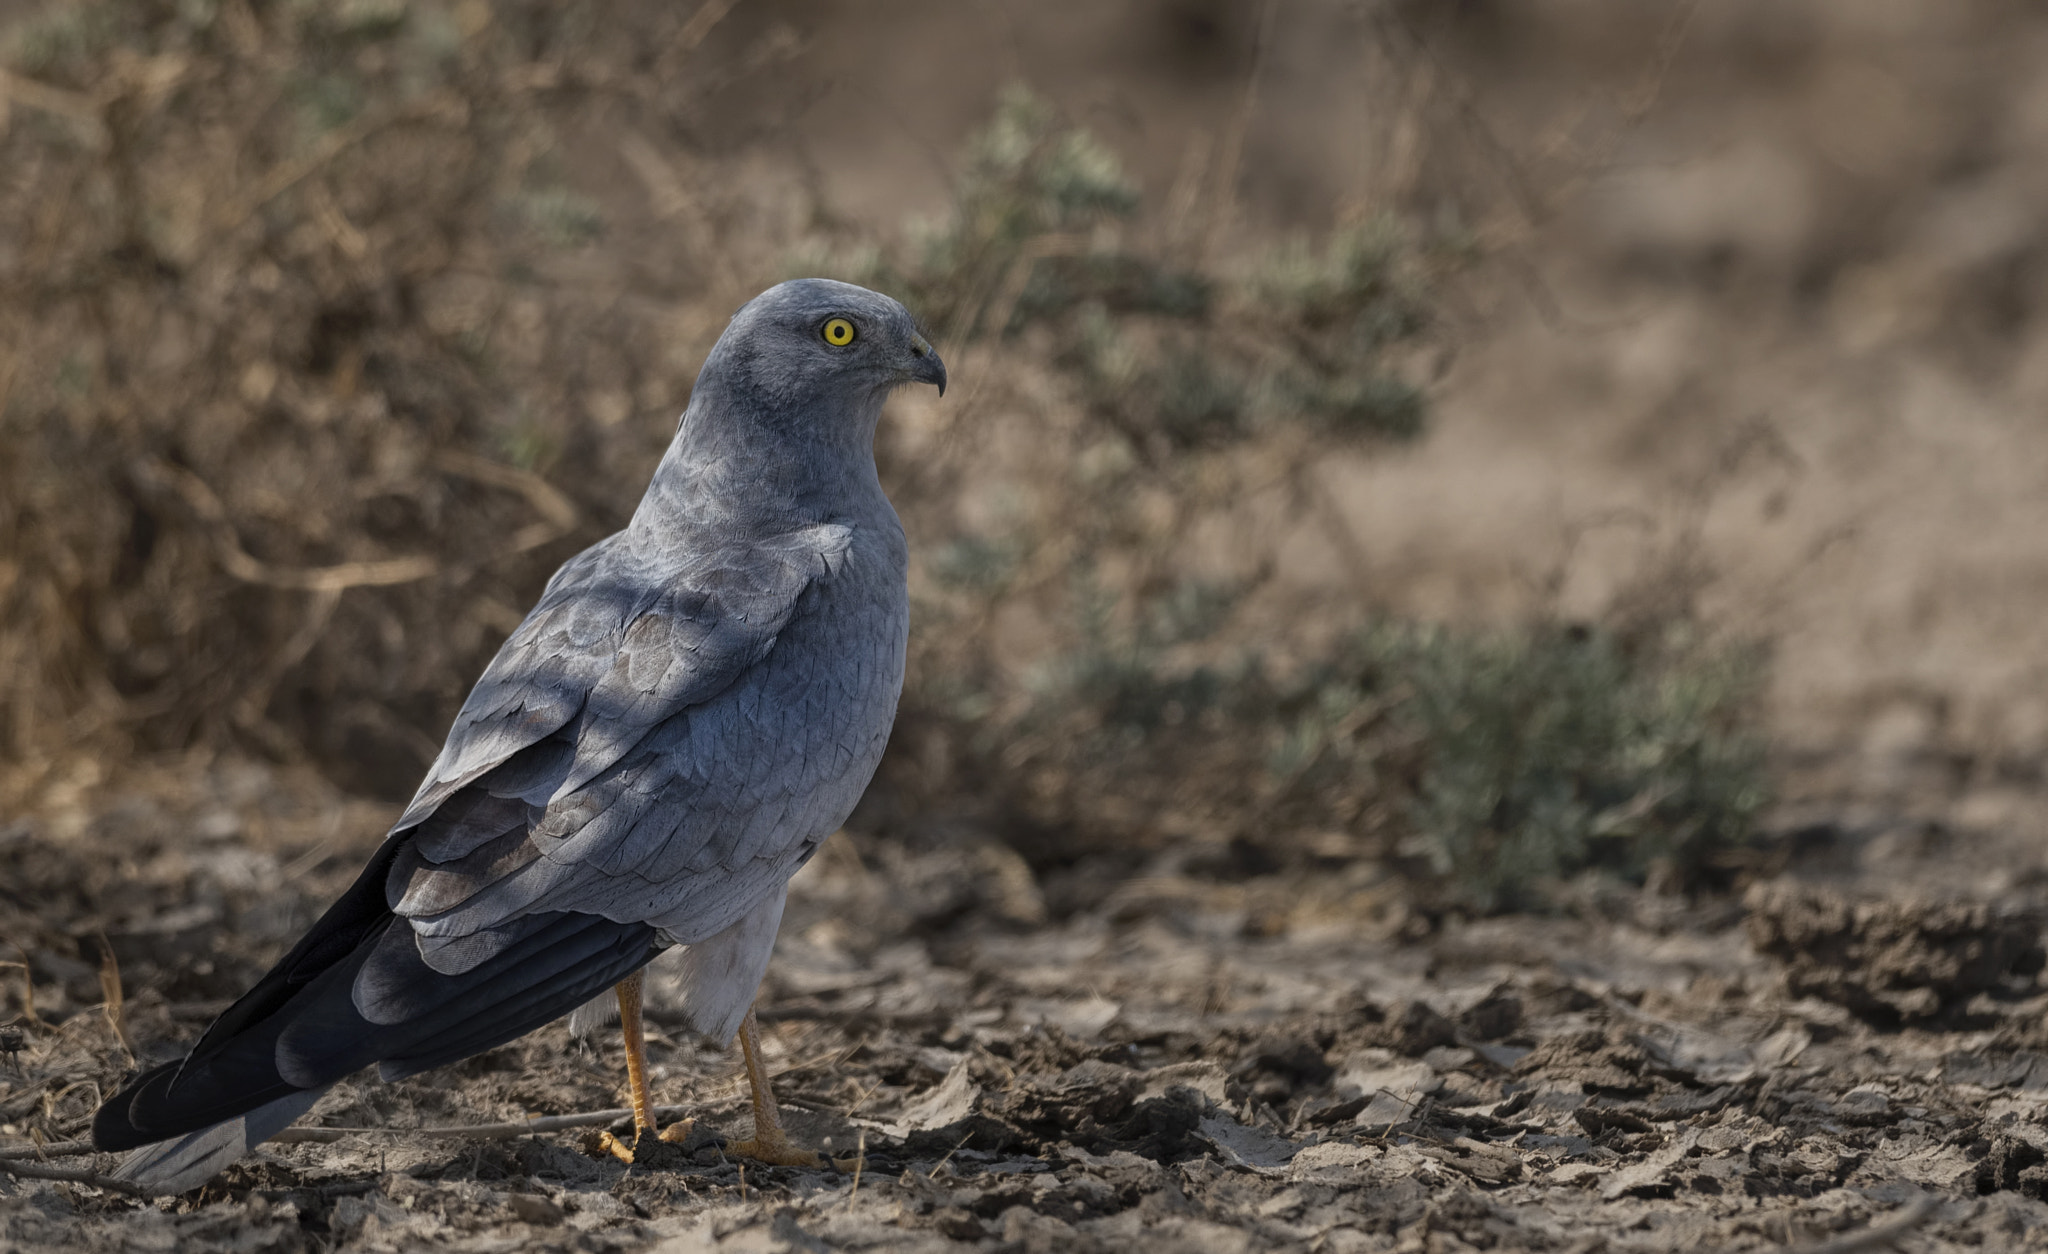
(355, 991)
(186, 1162)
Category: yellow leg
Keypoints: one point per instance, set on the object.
(769, 1144)
(636, 1075)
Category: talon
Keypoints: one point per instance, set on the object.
(645, 1139)
(644, 1131)
(774, 1148)
(677, 1133)
(776, 1151)
(769, 1144)
(621, 1150)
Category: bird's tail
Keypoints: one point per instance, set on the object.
(353, 992)
(186, 1162)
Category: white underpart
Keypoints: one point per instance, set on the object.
(711, 983)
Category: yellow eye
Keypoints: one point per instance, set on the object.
(838, 332)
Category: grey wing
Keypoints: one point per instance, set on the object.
(538, 681)
(596, 722)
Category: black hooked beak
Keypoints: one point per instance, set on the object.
(927, 367)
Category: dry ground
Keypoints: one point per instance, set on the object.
(1790, 332)
(1202, 1062)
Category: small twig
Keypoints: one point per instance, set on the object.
(287, 175)
(235, 559)
(1510, 171)
(207, 1011)
(558, 512)
(909, 1020)
(934, 1172)
(665, 192)
(558, 518)
(24, 1100)
(50, 1100)
(860, 1161)
(28, 986)
(708, 14)
(55, 1149)
(72, 1175)
(1184, 199)
(339, 229)
(1224, 209)
(861, 1099)
(110, 994)
(319, 613)
(1878, 1236)
(1016, 276)
(480, 1131)
(73, 106)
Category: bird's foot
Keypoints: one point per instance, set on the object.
(775, 1151)
(644, 1139)
(621, 1150)
(773, 1147)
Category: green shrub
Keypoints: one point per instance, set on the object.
(1153, 714)
(1511, 761)
(1549, 752)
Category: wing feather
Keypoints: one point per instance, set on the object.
(607, 774)
(616, 646)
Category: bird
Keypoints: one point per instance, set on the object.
(692, 707)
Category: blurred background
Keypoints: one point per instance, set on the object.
(1405, 460)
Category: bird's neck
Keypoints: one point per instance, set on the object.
(726, 467)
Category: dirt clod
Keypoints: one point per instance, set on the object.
(2013, 1164)
(534, 1209)
(1894, 961)
(1494, 1018)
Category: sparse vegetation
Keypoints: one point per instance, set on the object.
(1501, 762)
(1504, 763)
(1251, 867)
(275, 407)
(1548, 752)
(268, 433)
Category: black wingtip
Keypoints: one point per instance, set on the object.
(113, 1124)
(413, 1019)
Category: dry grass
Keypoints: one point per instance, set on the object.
(310, 385)
(288, 380)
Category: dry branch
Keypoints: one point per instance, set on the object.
(329, 146)
(110, 993)
(480, 1131)
(70, 1175)
(558, 512)
(55, 1149)
(297, 1136)
(28, 987)
(708, 14)
(1223, 211)
(237, 562)
(72, 106)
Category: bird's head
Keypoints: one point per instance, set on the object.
(816, 341)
